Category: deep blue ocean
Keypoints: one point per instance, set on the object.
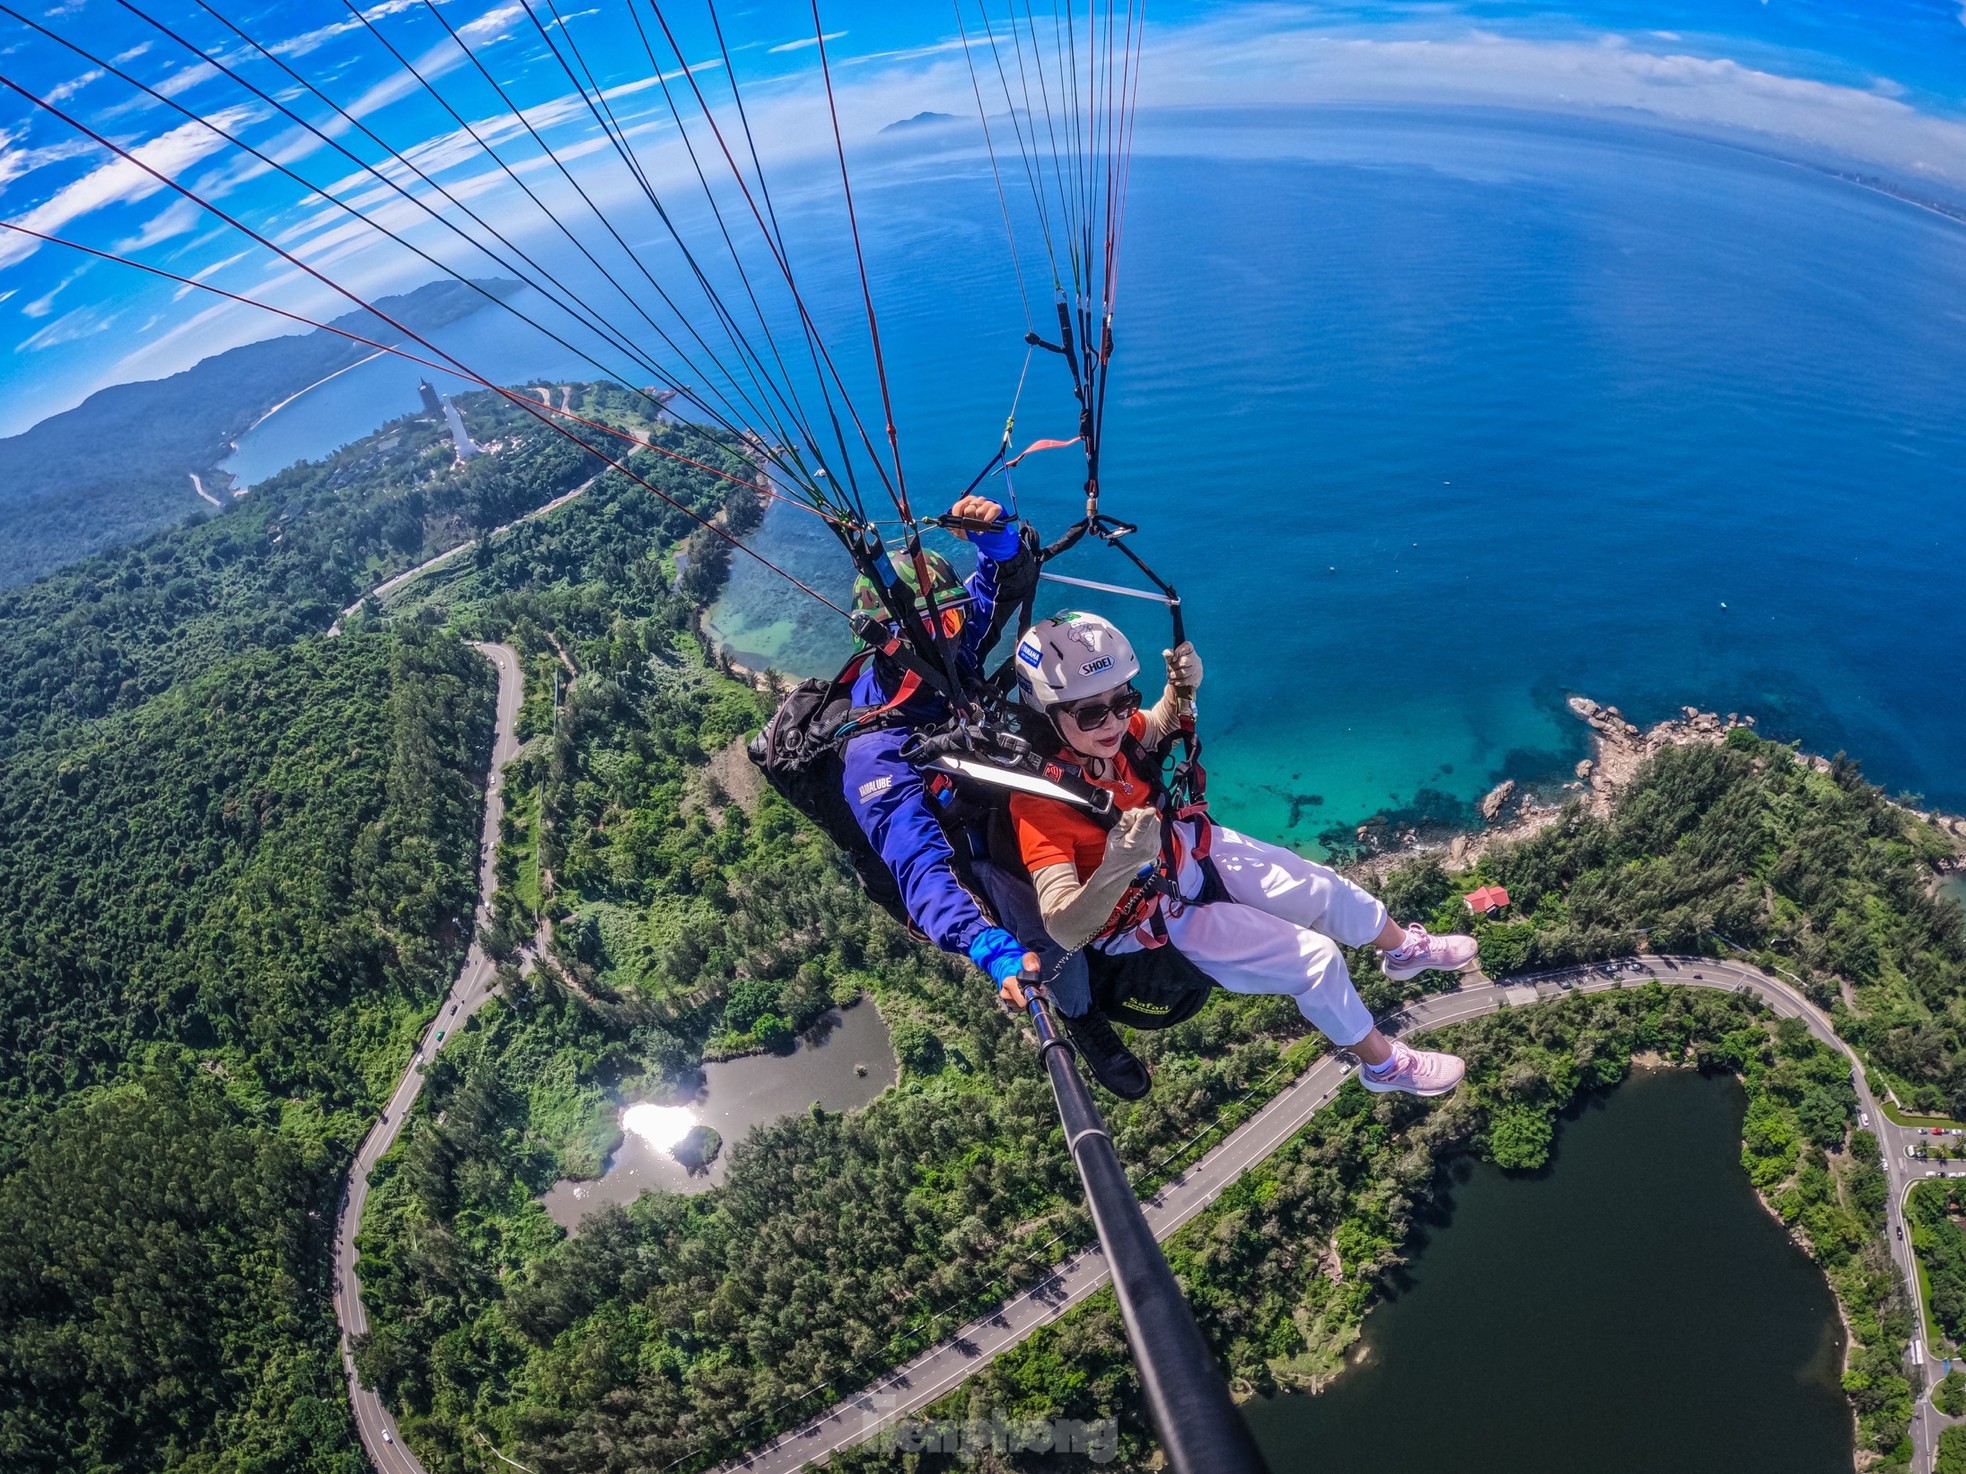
(1436, 419)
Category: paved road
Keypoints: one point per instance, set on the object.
(1906, 1172)
(942, 1367)
(466, 997)
(383, 590)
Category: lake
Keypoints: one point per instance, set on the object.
(1633, 1309)
(731, 1096)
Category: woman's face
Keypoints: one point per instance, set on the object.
(1095, 726)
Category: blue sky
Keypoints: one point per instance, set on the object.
(1881, 81)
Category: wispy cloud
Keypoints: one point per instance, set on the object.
(122, 181)
(83, 322)
(313, 40)
(805, 41)
(207, 273)
(123, 58)
(175, 219)
(62, 91)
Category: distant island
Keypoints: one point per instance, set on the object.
(134, 458)
(923, 119)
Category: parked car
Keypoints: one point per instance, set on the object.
(1699, 977)
(1914, 1151)
(1933, 1172)
(1863, 1120)
(1937, 1130)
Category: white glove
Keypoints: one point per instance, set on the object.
(1131, 843)
(1183, 666)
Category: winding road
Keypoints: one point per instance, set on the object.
(467, 995)
(942, 1367)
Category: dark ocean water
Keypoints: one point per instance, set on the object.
(1436, 419)
(1633, 1309)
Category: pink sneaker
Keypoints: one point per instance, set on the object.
(1422, 951)
(1415, 1071)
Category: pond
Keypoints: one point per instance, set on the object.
(843, 1062)
(1632, 1309)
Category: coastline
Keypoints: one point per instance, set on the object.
(1618, 749)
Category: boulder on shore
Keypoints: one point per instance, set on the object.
(1491, 804)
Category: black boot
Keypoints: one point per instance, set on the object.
(1111, 1062)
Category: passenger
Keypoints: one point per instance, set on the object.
(890, 800)
(1254, 917)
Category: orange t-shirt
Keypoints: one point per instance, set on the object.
(1053, 833)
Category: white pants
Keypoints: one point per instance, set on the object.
(1278, 932)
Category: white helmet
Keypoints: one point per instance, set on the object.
(1071, 656)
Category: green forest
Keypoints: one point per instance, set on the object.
(239, 857)
(1814, 872)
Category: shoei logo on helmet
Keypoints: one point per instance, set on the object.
(1093, 667)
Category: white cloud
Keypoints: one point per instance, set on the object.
(175, 219)
(184, 81)
(207, 273)
(122, 181)
(123, 57)
(83, 322)
(1249, 57)
(10, 292)
(805, 41)
(312, 40)
(62, 91)
(44, 305)
(14, 162)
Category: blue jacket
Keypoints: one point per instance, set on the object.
(887, 795)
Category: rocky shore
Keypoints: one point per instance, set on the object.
(1509, 811)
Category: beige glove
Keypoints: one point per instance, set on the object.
(1074, 911)
(1183, 665)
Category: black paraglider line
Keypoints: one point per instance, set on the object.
(505, 100)
(450, 364)
(109, 67)
(779, 255)
(603, 114)
(568, 302)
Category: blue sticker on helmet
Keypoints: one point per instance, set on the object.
(1028, 654)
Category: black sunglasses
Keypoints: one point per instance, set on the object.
(1092, 715)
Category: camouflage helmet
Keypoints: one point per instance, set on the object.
(947, 587)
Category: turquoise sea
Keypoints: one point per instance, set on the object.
(1436, 418)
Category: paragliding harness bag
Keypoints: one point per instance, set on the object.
(799, 754)
(968, 773)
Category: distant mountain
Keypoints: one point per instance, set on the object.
(921, 120)
(119, 464)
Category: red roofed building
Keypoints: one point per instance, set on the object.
(1488, 900)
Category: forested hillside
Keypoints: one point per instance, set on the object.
(106, 633)
(118, 466)
(1810, 867)
(238, 862)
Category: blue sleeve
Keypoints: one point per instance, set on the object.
(993, 550)
(891, 806)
